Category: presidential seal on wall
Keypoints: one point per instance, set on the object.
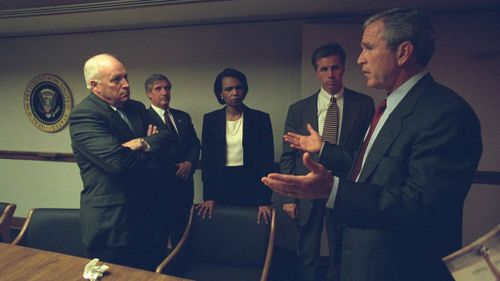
(48, 102)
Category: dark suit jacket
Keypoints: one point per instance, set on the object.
(188, 149)
(405, 213)
(115, 190)
(357, 114)
(258, 153)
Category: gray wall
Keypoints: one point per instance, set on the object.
(273, 55)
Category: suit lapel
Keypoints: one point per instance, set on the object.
(247, 126)
(161, 124)
(179, 124)
(220, 129)
(311, 113)
(135, 120)
(136, 116)
(120, 122)
(113, 115)
(392, 127)
(349, 115)
(155, 118)
(385, 137)
(180, 129)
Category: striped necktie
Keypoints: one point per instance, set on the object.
(330, 128)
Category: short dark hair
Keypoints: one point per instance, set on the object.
(327, 50)
(407, 24)
(148, 85)
(229, 72)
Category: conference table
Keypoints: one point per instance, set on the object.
(28, 264)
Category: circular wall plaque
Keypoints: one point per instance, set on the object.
(48, 102)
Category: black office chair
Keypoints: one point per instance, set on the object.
(6, 213)
(230, 246)
(56, 230)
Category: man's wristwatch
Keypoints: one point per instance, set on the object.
(142, 142)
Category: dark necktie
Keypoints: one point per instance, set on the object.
(175, 137)
(124, 117)
(168, 123)
(359, 161)
(331, 125)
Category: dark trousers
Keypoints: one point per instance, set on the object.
(239, 188)
(174, 204)
(135, 256)
(178, 224)
(174, 226)
(309, 244)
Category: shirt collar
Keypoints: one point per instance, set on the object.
(323, 94)
(397, 95)
(160, 110)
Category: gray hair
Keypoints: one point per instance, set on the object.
(407, 24)
(148, 84)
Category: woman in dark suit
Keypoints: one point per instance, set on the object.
(237, 150)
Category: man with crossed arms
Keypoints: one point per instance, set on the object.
(115, 149)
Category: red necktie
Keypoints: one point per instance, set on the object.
(359, 161)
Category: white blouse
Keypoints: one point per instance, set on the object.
(234, 142)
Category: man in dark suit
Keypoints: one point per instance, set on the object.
(177, 195)
(401, 208)
(114, 149)
(355, 111)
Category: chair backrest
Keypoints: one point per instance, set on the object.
(56, 230)
(6, 212)
(231, 238)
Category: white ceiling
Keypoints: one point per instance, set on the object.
(31, 17)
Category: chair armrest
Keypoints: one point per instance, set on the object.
(270, 247)
(22, 233)
(6, 221)
(162, 266)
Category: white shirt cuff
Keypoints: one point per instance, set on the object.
(321, 149)
(333, 193)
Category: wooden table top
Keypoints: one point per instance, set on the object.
(28, 264)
